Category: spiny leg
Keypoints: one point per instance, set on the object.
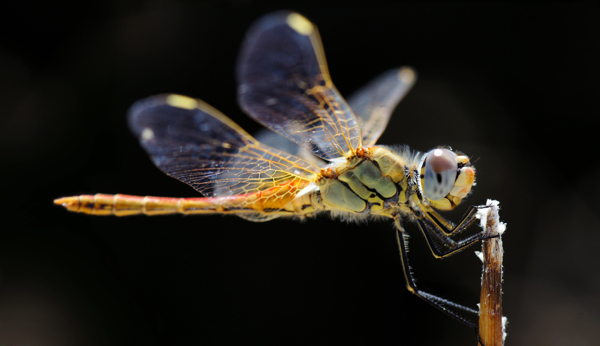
(439, 303)
(434, 227)
(448, 227)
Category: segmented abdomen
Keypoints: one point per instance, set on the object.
(278, 199)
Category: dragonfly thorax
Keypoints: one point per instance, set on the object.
(368, 184)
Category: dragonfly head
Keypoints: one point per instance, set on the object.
(446, 178)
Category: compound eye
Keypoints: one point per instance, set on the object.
(440, 173)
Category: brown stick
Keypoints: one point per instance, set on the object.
(491, 322)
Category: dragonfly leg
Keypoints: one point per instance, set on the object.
(448, 227)
(437, 231)
(441, 304)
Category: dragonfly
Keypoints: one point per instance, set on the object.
(319, 155)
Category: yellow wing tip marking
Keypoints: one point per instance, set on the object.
(299, 23)
(180, 101)
(407, 75)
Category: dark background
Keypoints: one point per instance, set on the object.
(512, 85)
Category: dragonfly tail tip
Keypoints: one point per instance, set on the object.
(69, 203)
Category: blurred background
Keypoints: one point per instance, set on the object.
(515, 86)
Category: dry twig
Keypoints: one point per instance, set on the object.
(491, 322)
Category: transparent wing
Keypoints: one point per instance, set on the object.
(374, 103)
(285, 85)
(195, 143)
(275, 140)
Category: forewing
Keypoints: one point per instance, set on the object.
(374, 103)
(285, 85)
(195, 143)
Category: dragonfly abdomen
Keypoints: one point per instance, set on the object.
(126, 205)
(278, 199)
